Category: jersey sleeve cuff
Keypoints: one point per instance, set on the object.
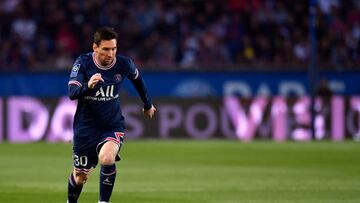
(147, 106)
(85, 86)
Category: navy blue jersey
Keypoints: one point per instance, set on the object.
(98, 109)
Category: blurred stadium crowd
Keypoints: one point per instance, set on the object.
(183, 34)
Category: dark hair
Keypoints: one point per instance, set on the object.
(104, 33)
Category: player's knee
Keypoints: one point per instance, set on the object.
(80, 178)
(106, 159)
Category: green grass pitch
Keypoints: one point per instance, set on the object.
(174, 171)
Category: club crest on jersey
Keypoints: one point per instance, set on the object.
(117, 78)
(75, 70)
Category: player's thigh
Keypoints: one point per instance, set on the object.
(108, 152)
(113, 140)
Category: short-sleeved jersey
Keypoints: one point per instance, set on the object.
(98, 109)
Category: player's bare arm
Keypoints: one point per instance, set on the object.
(150, 112)
(94, 80)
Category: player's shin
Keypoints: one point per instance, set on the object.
(107, 180)
(74, 190)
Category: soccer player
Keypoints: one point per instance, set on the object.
(95, 82)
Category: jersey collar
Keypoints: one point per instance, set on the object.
(103, 67)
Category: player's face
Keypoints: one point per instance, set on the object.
(105, 51)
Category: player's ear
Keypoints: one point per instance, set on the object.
(95, 46)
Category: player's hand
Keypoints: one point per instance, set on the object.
(94, 80)
(150, 112)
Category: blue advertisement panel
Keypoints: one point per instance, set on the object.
(191, 84)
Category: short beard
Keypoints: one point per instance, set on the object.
(104, 63)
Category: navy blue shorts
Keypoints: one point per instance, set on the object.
(85, 151)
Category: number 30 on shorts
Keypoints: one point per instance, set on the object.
(80, 161)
